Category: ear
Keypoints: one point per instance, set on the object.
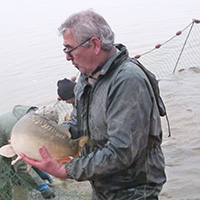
(96, 45)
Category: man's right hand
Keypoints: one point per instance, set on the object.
(47, 164)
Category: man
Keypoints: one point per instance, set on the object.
(65, 93)
(65, 90)
(34, 177)
(117, 109)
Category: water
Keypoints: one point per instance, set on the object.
(31, 57)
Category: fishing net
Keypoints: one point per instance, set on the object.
(12, 186)
(182, 51)
(64, 109)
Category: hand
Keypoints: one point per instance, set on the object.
(44, 176)
(58, 98)
(73, 78)
(46, 191)
(47, 164)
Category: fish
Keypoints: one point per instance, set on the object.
(33, 131)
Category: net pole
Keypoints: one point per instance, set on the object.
(183, 47)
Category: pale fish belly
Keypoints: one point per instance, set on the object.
(33, 131)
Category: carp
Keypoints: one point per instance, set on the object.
(33, 131)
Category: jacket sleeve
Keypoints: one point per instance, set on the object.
(129, 107)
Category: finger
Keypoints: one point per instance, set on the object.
(44, 153)
(59, 99)
(23, 157)
(29, 160)
(73, 78)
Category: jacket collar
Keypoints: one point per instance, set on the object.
(111, 64)
(116, 59)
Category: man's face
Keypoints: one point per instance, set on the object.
(83, 57)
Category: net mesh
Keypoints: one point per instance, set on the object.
(182, 51)
(64, 109)
(12, 186)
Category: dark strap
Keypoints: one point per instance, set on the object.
(155, 87)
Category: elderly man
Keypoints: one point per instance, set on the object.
(116, 107)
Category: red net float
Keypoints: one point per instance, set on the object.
(197, 21)
(178, 33)
(137, 56)
(158, 46)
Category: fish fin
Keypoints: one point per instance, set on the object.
(71, 157)
(28, 167)
(69, 134)
(7, 151)
(65, 159)
(67, 117)
(14, 161)
(83, 140)
(78, 153)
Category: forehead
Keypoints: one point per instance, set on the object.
(68, 37)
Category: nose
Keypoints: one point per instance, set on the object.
(68, 57)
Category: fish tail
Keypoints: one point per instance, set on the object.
(66, 159)
(83, 140)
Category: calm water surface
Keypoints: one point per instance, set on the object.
(31, 56)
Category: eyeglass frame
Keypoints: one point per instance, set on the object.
(70, 51)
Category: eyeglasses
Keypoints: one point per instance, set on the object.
(70, 51)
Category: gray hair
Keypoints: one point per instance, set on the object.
(88, 24)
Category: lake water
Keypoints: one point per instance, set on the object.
(31, 56)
